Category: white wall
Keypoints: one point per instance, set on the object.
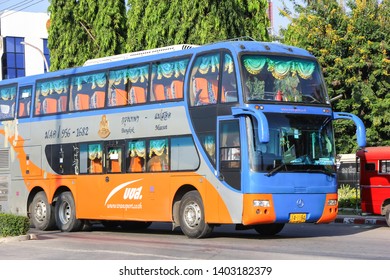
(32, 27)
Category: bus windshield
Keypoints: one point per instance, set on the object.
(297, 143)
(278, 78)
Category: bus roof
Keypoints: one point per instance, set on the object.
(167, 52)
(382, 152)
(138, 54)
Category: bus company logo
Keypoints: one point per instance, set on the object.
(130, 193)
(104, 129)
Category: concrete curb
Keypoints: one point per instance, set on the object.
(380, 221)
(18, 238)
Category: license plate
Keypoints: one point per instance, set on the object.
(297, 218)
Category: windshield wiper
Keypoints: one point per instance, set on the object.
(277, 168)
(327, 172)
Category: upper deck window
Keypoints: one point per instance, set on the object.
(25, 94)
(168, 79)
(276, 78)
(88, 92)
(7, 102)
(205, 76)
(128, 86)
(51, 96)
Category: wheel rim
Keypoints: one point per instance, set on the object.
(64, 212)
(192, 215)
(40, 211)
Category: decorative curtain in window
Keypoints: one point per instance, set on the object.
(55, 86)
(279, 69)
(129, 74)
(98, 79)
(8, 93)
(158, 147)
(254, 64)
(169, 69)
(228, 64)
(95, 151)
(137, 149)
(209, 63)
(209, 144)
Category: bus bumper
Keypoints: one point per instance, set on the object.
(281, 208)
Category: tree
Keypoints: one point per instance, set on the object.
(353, 49)
(172, 22)
(84, 29)
(66, 38)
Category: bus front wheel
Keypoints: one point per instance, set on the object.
(41, 212)
(65, 211)
(192, 217)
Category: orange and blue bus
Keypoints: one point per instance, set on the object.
(234, 132)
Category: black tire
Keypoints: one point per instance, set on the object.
(387, 214)
(192, 216)
(65, 212)
(133, 225)
(269, 229)
(41, 212)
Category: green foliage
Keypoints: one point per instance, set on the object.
(153, 24)
(348, 197)
(84, 29)
(13, 225)
(353, 48)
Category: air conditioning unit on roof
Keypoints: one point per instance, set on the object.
(138, 54)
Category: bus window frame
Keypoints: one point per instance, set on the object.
(38, 97)
(152, 77)
(30, 101)
(12, 113)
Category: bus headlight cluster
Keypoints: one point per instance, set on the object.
(332, 202)
(261, 203)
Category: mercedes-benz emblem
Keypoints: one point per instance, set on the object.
(300, 203)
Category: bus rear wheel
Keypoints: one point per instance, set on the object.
(387, 214)
(192, 216)
(269, 229)
(41, 212)
(65, 212)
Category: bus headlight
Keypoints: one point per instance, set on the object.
(332, 202)
(261, 203)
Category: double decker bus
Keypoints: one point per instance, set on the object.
(235, 132)
(375, 181)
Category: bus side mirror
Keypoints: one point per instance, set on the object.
(360, 128)
(262, 121)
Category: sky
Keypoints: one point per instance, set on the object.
(42, 5)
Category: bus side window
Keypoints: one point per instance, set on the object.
(114, 160)
(51, 96)
(369, 166)
(230, 145)
(158, 156)
(167, 79)
(204, 80)
(88, 91)
(136, 153)
(95, 159)
(384, 166)
(128, 86)
(229, 82)
(24, 101)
